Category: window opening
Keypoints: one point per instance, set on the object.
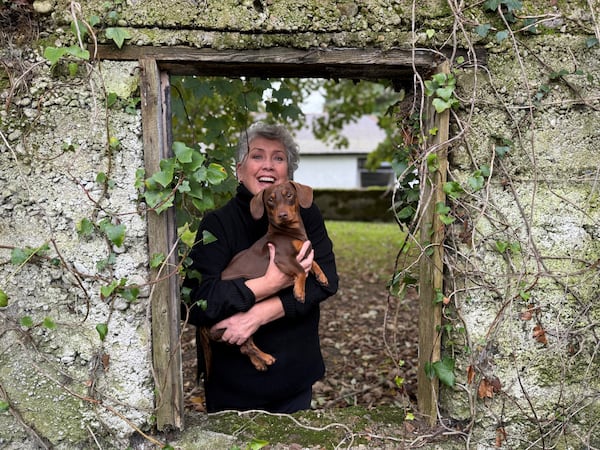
(334, 121)
(156, 64)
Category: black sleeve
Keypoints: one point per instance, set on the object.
(221, 298)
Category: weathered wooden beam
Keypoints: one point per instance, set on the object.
(284, 62)
(432, 267)
(164, 295)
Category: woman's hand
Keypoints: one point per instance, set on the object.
(239, 327)
(274, 279)
(306, 256)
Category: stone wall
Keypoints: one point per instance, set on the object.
(521, 255)
(62, 185)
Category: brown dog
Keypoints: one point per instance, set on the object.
(286, 232)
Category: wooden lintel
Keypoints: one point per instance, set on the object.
(330, 63)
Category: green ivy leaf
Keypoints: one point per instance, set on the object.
(118, 35)
(187, 236)
(442, 105)
(115, 233)
(492, 5)
(53, 54)
(49, 323)
(257, 444)
(197, 161)
(441, 208)
(445, 93)
(4, 406)
(476, 181)
(216, 173)
(3, 299)
(433, 163)
(453, 189)
(512, 5)
(102, 330)
(78, 52)
(446, 220)
(18, 256)
(444, 370)
(183, 153)
(208, 237)
(184, 187)
(164, 177)
(406, 212)
(501, 246)
(156, 260)
(106, 291)
(94, 20)
(483, 30)
(501, 150)
(204, 204)
(501, 35)
(26, 321)
(130, 293)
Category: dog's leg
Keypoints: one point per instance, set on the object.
(319, 274)
(300, 286)
(204, 334)
(259, 359)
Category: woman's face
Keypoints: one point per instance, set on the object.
(265, 164)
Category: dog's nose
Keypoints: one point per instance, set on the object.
(283, 215)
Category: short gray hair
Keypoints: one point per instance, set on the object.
(273, 132)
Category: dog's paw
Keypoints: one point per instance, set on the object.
(262, 362)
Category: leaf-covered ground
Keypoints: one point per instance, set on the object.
(368, 338)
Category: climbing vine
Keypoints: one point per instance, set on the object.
(480, 221)
(493, 257)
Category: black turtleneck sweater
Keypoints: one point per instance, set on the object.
(293, 340)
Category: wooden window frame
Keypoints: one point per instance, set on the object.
(157, 64)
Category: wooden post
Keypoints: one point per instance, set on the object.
(164, 295)
(431, 267)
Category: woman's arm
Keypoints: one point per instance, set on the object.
(224, 298)
(240, 326)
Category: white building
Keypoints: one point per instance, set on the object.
(326, 167)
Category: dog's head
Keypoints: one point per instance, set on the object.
(288, 194)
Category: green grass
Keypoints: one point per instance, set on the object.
(365, 246)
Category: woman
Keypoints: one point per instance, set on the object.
(263, 307)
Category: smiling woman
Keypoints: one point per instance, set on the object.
(262, 307)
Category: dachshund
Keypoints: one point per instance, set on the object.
(286, 232)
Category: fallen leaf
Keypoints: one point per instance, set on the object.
(526, 315)
(500, 436)
(540, 334)
(487, 388)
(470, 374)
(197, 403)
(105, 361)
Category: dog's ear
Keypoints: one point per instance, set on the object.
(305, 194)
(257, 205)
